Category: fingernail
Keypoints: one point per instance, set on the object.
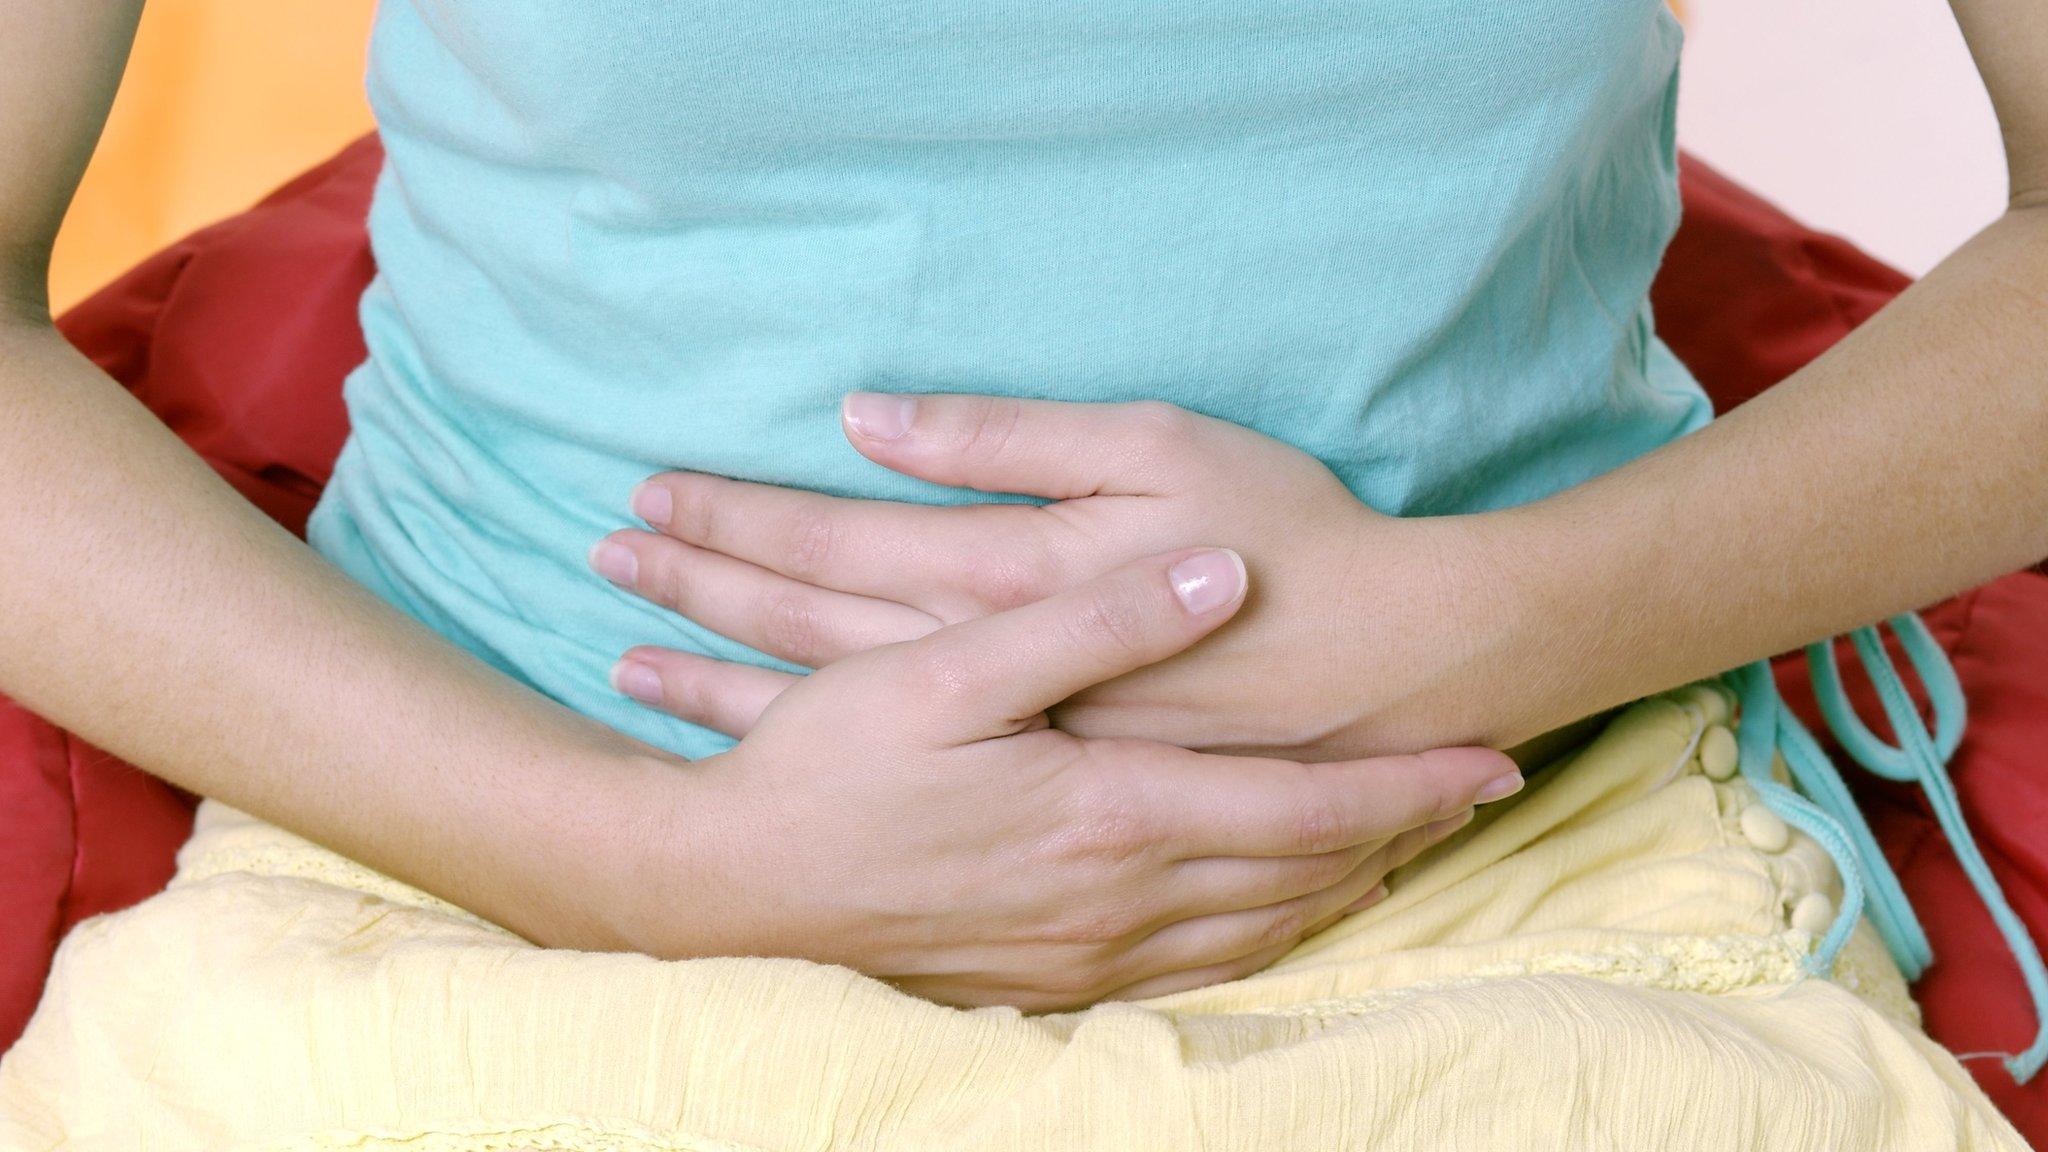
(637, 680)
(1437, 830)
(653, 503)
(616, 563)
(1498, 787)
(878, 416)
(1208, 580)
(1378, 893)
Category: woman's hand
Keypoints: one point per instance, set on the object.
(1354, 644)
(909, 813)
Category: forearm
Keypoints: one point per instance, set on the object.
(147, 607)
(1908, 463)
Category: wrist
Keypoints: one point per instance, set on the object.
(1440, 640)
(679, 875)
(1572, 577)
(1491, 628)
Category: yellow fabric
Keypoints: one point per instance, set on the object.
(222, 101)
(1602, 962)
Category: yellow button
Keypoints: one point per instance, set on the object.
(1814, 914)
(1765, 829)
(1718, 754)
(1711, 701)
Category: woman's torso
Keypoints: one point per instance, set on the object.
(1413, 237)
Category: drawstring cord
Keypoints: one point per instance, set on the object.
(1827, 813)
(1921, 757)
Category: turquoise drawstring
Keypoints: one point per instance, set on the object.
(1887, 907)
(1757, 739)
(1827, 813)
(1921, 757)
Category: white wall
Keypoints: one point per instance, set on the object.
(1861, 117)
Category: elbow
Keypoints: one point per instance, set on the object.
(24, 286)
(2032, 198)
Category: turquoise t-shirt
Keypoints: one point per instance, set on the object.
(1413, 237)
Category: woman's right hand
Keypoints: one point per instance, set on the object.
(909, 813)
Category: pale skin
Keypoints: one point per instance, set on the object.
(145, 606)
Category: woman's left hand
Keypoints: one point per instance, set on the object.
(1359, 625)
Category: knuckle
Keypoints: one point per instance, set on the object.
(1157, 427)
(791, 627)
(1116, 616)
(1011, 577)
(813, 540)
(1437, 793)
(1116, 830)
(1076, 983)
(1254, 963)
(986, 426)
(1318, 825)
(1333, 867)
(1403, 848)
(1096, 926)
(1289, 923)
(941, 675)
(1111, 823)
(666, 578)
(694, 516)
(653, 575)
(683, 693)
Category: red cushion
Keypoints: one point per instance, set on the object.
(240, 335)
(1747, 295)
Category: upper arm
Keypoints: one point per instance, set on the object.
(2009, 39)
(60, 61)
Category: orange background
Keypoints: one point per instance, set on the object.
(223, 100)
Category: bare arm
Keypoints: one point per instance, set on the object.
(1909, 462)
(146, 606)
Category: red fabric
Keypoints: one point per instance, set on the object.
(240, 335)
(1747, 295)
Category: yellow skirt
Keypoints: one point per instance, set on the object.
(1609, 960)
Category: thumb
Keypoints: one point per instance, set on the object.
(990, 676)
(1047, 448)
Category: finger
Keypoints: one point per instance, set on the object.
(1033, 447)
(1410, 844)
(716, 694)
(1373, 895)
(984, 677)
(1238, 969)
(766, 611)
(1202, 977)
(1405, 848)
(1219, 884)
(1368, 860)
(1233, 806)
(1228, 936)
(873, 548)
